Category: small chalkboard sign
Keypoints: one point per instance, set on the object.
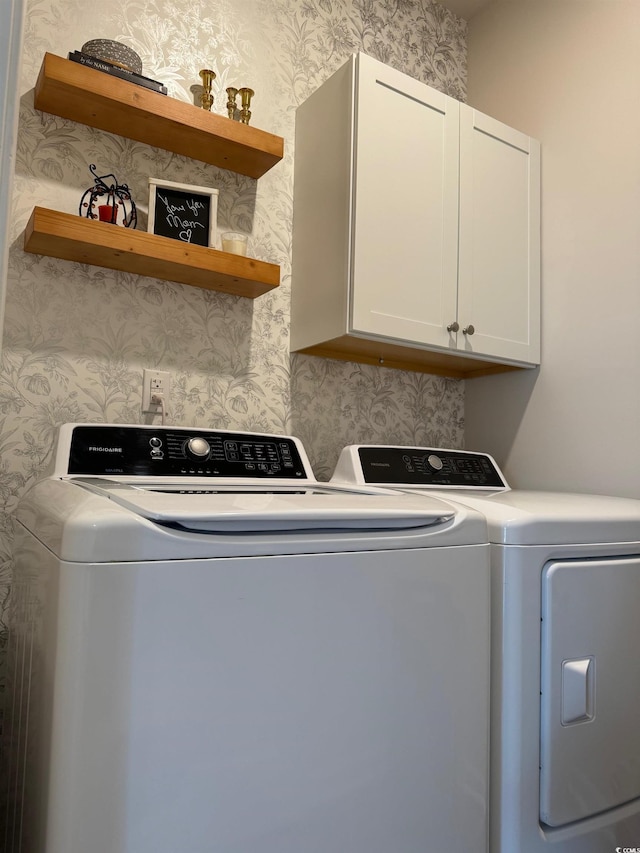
(183, 212)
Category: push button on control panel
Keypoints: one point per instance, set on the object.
(156, 452)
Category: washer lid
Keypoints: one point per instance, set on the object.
(240, 506)
(224, 481)
(100, 522)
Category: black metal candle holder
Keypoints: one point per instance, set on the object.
(107, 196)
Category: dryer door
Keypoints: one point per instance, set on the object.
(590, 688)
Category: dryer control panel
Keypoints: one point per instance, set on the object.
(141, 451)
(428, 467)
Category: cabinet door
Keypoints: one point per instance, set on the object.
(499, 273)
(404, 250)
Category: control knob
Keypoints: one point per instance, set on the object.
(435, 462)
(198, 447)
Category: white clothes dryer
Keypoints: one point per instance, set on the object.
(565, 691)
(212, 652)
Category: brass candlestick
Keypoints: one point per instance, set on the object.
(232, 94)
(245, 112)
(206, 98)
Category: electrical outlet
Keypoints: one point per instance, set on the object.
(155, 382)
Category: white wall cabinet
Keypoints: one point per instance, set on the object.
(415, 229)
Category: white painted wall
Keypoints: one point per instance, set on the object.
(11, 22)
(568, 73)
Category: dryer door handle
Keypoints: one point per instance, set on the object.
(577, 690)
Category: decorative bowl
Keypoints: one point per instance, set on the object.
(115, 53)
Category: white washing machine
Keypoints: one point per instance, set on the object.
(213, 653)
(565, 694)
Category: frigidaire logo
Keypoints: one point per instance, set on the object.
(94, 449)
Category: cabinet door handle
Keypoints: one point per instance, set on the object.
(468, 330)
(453, 327)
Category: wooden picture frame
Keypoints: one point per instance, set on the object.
(183, 212)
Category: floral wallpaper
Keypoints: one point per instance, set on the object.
(76, 338)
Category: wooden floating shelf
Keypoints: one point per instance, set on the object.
(68, 89)
(88, 241)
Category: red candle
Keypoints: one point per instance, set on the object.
(106, 212)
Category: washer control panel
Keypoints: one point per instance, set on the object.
(163, 451)
(429, 467)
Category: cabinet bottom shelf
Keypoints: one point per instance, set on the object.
(365, 351)
(88, 241)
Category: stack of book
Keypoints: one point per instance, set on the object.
(117, 71)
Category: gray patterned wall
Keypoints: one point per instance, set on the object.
(76, 337)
